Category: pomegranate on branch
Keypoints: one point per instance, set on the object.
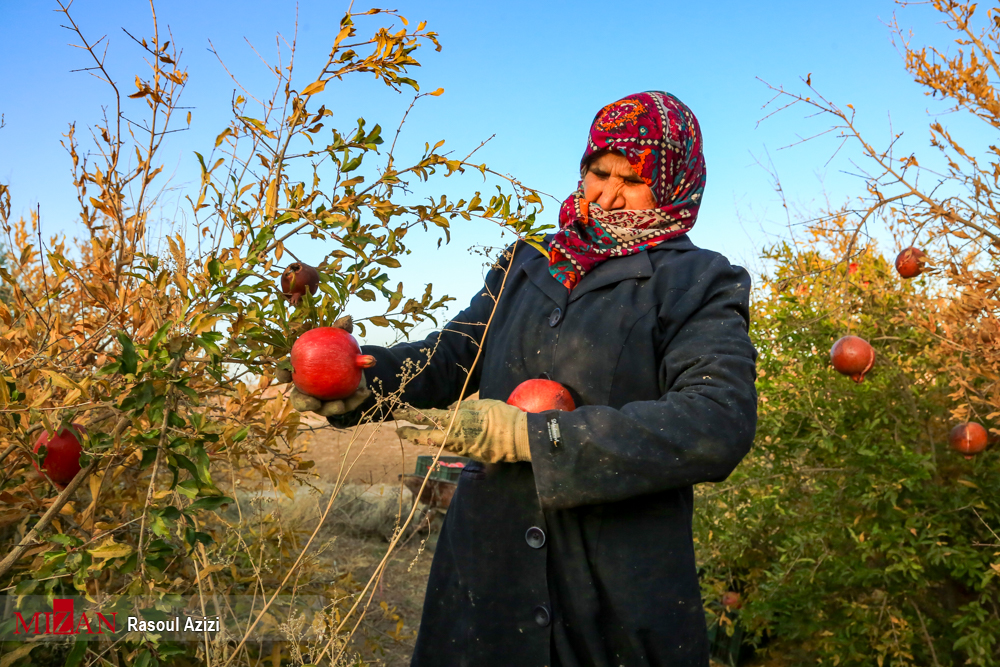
(852, 356)
(296, 279)
(62, 454)
(731, 600)
(968, 439)
(910, 262)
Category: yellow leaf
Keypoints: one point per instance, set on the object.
(15, 656)
(437, 92)
(342, 35)
(110, 549)
(222, 136)
(966, 482)
(202, 323)
(314, 87)
(60, 380)
(207, 571)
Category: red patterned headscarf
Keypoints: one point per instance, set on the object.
(661, 139)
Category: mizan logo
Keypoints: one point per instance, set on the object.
(62, 621)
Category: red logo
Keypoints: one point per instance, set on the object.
(63, 621)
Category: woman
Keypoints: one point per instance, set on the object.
(568, 541)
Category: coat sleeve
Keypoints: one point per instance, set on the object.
(430, 373)
(697, 431)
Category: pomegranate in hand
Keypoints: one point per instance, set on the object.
(968, 438)
(541, 395)
(62, 455)
(910, 262)
(327, 363)
(852, 356)
(296, 279)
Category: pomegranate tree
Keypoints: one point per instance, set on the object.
(540, 395)
(852, 356)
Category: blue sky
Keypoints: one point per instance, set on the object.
(532, 73)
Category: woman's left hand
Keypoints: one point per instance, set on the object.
(487, 430)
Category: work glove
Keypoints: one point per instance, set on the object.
(305, 403)
(487, 430)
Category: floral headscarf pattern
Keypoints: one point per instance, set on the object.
(661, 139)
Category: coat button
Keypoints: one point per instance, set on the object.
(535, 537)
(555, 317)
(542, 615)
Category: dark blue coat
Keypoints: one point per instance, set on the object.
(585, 555)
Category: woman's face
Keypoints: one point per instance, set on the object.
(611, 182)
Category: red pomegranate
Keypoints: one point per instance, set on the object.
(296, 279)
(541, 395)
(968, 438)
(327, 363)
(910, 262)
(852, 356)
(732, 600)
(62, 455)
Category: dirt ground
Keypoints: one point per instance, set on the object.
(371, 454)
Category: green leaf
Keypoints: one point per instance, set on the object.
(391, 262)
(158, 336)
(75, 656)
(148, 456)
(25, 587)
(129, 360)
(353, 164)
(210, 504)
(144, 660)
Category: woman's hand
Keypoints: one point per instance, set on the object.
(303, 402)
(306, 403)
(487, 430)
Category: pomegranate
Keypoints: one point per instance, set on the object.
(541, 395)
(732, 600)
(852, 356)
(62, 454)
(327, 363)
(968, 438)
(910, 262)
(296, 279)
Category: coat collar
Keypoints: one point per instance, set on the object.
(615, 270)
